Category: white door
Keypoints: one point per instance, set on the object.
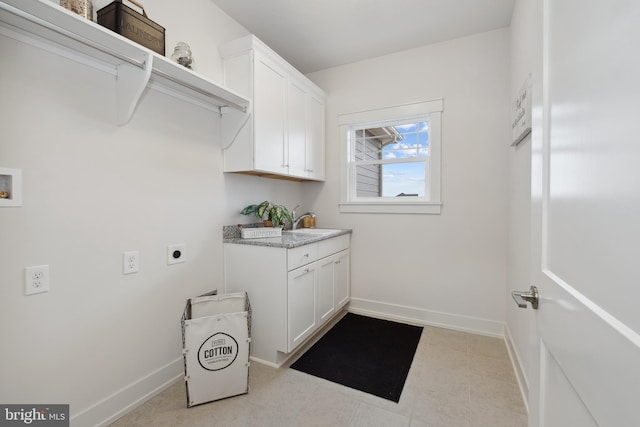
(586, 216)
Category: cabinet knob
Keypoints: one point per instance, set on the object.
(306, 255)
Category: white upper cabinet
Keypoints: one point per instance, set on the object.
(297, 129)
(315, 138)
(284, 134)
(270, 100)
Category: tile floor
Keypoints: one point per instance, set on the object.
(456, 379)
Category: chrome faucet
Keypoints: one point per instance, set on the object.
(297, 219)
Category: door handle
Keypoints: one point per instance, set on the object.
(521, 297)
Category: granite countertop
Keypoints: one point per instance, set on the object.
(288, 240)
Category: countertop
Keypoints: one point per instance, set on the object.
(288, 239)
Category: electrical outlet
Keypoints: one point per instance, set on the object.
(36, 279)
(176, 253)
(130, 261)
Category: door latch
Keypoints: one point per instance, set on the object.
(521, 297)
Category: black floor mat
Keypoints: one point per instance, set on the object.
(368, 354)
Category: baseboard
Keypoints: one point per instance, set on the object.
(517, 367)
(420, 316)
(128, 398)
(264, 362)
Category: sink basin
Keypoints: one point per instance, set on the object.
(314, 231)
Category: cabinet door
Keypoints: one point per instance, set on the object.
(342, 287)
(301, 304)
(297, 130)
(314, 160)
(269, 109)
(326, 298)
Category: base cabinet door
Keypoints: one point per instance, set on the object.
(301, 304)
(341, 279)
(326, 297)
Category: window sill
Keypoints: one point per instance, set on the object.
(421, 208)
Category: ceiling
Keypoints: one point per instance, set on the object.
(318, 34)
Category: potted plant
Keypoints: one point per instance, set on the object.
(270, 214)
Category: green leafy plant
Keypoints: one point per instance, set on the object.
(267, 211)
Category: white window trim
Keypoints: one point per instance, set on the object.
(434, 109)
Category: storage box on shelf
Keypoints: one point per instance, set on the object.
(284, 135)
(135, 26)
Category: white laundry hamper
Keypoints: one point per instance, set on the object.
(216, 332)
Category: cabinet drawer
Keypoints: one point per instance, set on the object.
(331, 246)
(302, 255)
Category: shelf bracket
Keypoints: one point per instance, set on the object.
(131, 81)
(232, 121)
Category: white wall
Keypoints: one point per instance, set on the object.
(448, 268)
(100, 340)
(526, 26)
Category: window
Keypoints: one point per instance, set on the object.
(391, 159)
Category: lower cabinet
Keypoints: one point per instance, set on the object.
(341, 281)
(333, 285)
(293, 292)
(302, 318)
(315, 293)
(325, 289)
